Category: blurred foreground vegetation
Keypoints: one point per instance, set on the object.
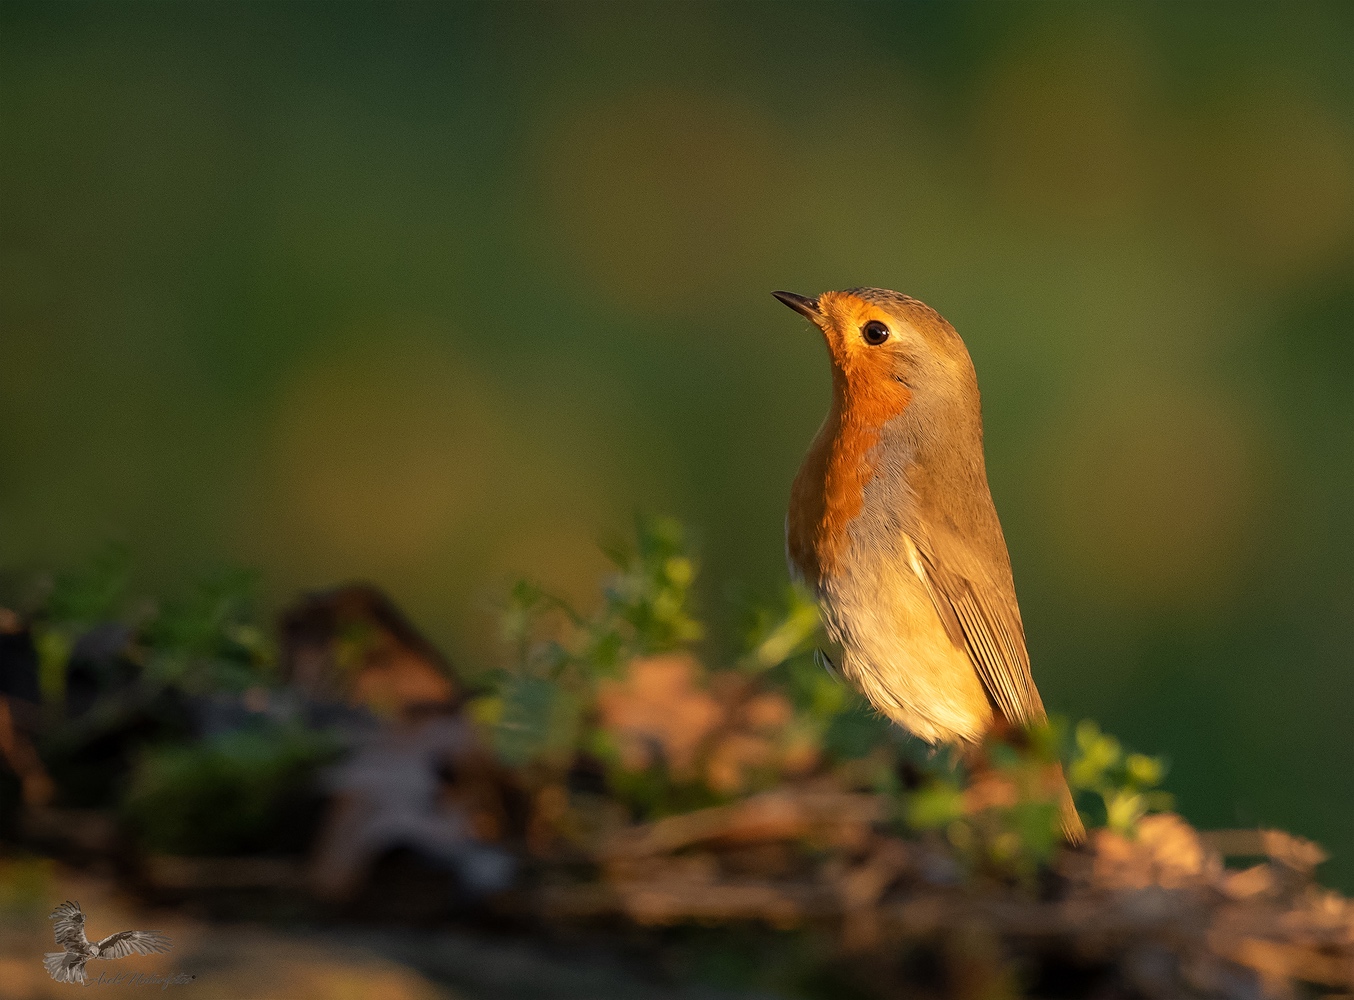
(629, 694)
(615, 776)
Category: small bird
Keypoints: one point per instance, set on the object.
(891, 524)
(69, 966)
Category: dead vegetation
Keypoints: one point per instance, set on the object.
(1156, 915)
(607, 783)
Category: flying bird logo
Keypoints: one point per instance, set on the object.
(69, 966)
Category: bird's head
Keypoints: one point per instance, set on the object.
(890, 353)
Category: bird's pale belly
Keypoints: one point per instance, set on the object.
(896, 650)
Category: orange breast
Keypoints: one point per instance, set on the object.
(829, 491)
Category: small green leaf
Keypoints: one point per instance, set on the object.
(794, 633)
(1123, 810)
(935, 805)
(54, 652)
(1144, 770)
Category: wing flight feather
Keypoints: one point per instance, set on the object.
(70, 925)
(981, 619)
(125, 943)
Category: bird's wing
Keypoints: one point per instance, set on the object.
(65, 966)
(70, 925)
(982, 618)
(124, 943)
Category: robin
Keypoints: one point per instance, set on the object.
(892, 525)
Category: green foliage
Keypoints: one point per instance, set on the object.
(1015, 828)
(1125, 783)
(205, 640)
(544, 709)
(937, 804)
(650, 792)
(228, 794)
(93, 593)
(201, 642)
(544, 712)
(647, 600)
(780, 632)
(1007, 824)
(538, 708)
(537, 718)
(80, 598)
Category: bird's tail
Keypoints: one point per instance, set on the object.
(65, 966)
(1052, 785)
(1074, 830)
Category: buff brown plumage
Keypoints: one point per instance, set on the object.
(892, 525)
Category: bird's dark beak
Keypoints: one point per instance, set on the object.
(801, 304)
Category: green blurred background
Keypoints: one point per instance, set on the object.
(432, 294)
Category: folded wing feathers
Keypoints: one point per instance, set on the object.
(995, 643)
(1016, 653)
(998, 655)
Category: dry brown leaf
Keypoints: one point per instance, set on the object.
(660, 706)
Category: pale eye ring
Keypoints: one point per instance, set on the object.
(874, 332)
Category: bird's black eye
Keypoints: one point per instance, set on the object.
(874, 332)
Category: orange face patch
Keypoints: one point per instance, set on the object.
(871, 389)
(829, 491)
